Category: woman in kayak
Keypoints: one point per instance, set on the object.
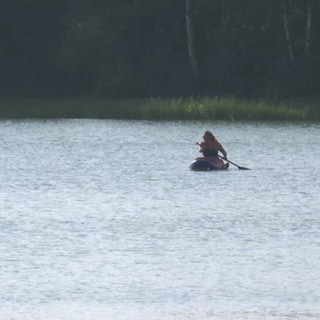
(210, 148)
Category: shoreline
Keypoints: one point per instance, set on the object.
(216, 108)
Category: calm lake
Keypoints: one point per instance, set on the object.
(102, 219)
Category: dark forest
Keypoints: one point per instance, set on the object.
(153, 48)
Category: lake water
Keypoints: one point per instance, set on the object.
(103, 219)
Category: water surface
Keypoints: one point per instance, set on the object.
(102, 219)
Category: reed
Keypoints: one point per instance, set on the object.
(206, 108)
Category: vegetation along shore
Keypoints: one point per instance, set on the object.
(228, 108)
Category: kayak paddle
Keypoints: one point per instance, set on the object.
(239, 167)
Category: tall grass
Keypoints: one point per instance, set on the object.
(206, 108)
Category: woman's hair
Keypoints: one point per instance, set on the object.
(209, 133)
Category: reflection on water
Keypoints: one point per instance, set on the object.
(105, 218)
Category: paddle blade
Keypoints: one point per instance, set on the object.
(243, 168)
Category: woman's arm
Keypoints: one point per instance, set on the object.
(221, 149)
(201, 146)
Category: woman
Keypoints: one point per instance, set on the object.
(210, 148)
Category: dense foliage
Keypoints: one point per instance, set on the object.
(141, 48)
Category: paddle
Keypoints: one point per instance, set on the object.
(239, 167)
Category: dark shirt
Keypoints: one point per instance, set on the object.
(210, 153)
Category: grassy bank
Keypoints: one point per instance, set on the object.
(160, 109)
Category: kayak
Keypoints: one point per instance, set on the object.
(204, 165)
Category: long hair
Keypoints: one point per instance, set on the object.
(209, 133)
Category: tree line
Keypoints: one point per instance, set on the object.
(159, 48)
